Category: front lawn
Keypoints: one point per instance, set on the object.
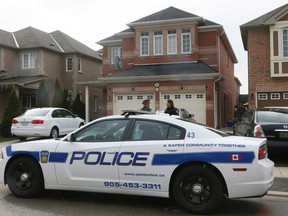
(5, 139)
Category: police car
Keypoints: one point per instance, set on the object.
(143, 154)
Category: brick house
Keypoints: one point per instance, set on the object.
(171, 54)
(29, 56)
(266, 41)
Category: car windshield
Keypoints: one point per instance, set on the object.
(272, 116)
(36, 112)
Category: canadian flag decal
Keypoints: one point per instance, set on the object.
(235, 157)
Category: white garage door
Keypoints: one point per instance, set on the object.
(131, 101)
(194, 103)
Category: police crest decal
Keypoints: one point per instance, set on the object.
(44, 155)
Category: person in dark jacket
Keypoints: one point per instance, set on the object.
(146, 105)
(171, 110)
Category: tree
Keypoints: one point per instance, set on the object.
(65, 102)
(58, 95)
(78, 107)
(42, 96)
(12, 110)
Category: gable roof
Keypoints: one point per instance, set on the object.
(265, 20)
(170, 14)
(30, 38)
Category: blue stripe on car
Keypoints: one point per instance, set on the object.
(55, 157)
(213, 157)
(59, 157)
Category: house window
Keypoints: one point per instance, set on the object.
(69, 64)
(285, 42)
(166, 97)
(150, 97)
(199, 96)
(129, 97)
(177, 96)
(158, 43)
(186, 41)
(172, 42)
(28, 101)
(144, 44)
(262, 96)
(140, 97)
(275, 96)
(285, 96)
(189, 96)
(79, 65)
(116, 56)
(28, 60)
(120, 97)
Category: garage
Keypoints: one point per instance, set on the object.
(194, 103)
(131, 101)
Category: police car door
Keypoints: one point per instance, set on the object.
(92, 155)
(143, 165)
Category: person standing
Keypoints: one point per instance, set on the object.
(146, 105)
(170, 109)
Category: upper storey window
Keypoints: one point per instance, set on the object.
(279, 49)
(285, 42)
(158, 43)
(28, 60)
(171, 42)
(186, 41)
(144, 44)
(116, 56)
(69, 64)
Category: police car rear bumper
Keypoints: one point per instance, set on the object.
(259, 182)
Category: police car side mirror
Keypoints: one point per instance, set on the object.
(71, 137)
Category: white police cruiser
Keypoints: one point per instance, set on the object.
(143, 154)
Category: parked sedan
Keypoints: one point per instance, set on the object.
(271, 123)
(45, 122)
(142, 154)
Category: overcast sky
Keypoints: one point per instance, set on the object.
(89, 21)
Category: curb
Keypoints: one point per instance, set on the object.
(277, 193)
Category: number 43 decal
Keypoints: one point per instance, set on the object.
(190, 135)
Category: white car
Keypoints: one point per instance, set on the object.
(143, 154)
(45, 122)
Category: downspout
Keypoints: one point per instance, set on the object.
(215, 81)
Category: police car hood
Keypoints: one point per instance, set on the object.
(32, 147)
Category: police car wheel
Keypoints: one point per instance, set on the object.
(24, 177)
(54, 133)
(197, 189)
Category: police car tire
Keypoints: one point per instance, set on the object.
(54, 133)
(203, 180)
(28, 168)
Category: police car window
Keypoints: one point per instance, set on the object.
(104, 131)
(150, 130)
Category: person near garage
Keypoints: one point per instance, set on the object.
(146, 105)
(170, 109)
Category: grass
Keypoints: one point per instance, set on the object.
(5, 139)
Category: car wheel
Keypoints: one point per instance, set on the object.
(54, 133)
(22, 138)
(24, 177)
(198, 189)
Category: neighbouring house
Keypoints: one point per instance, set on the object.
(29, 56)
(171, 54)
(266, 41)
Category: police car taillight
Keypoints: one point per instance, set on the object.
(262, 152)
(14, 121)
(258, 132)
